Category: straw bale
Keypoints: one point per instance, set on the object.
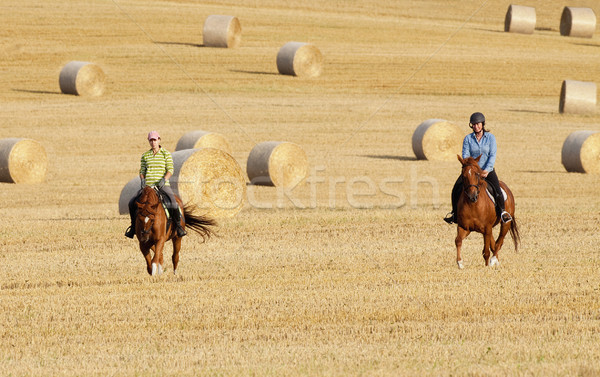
(130, 190)
(520, 19)
(277, 163)
(577, 97)
(299, 59)
(22, 161)
(581, 152)
(578, 22)
(82, 78)
(203, 139)
(222, 31)
(437, 139)
(206, 177)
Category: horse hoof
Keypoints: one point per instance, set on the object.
(494, 262)
(460, 264)
(154, 269)
(160, 269)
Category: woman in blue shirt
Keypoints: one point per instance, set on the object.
(480, 142)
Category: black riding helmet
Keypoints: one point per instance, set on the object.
(477, 118)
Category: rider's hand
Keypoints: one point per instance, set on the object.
(161, 183)
(143, 183)
(485, 173)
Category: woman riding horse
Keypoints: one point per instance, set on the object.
(155, 170)
(480, 142)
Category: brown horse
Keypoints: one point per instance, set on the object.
(476, 212)
(152, 229)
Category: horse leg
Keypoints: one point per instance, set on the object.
(157, 268)
(147, 257)
(504, 228)
(488, 239)
(176, 248)
(460, 236)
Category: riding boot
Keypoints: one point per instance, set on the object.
(177, 221)
(451, 217)
(131, 230)
(504, 216)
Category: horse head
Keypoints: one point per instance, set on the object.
(147, 210)
(472, 177)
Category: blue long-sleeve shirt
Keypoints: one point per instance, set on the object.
(486, 147)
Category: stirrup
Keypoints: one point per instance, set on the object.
(505, 217)
(449, 218)
(180, 231)
(130, 232)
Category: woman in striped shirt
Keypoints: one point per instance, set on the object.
(155, 170)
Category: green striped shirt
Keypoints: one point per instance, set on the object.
(155, 166)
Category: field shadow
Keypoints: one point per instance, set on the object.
(530, 111)
(253, 72)
(180, 44)
(490, 30)
(390, 157)
(35, 91)
(587, 44)
(540, 171)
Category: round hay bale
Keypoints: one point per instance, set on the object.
(277, 163)
(577, 97)
(520, 19)
(578, 22)
(22, 161)
(130, 190)
(437, 139)
(222, 31)
(203, 139)
(82, 79)
(208, 178)
(581, 152)
(299, 59)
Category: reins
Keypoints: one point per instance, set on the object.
(477, 186)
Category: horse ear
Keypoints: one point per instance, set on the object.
(478, 158)
(460, 159)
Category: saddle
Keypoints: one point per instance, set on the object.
(166, 203)
(491, 193)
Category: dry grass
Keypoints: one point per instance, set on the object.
(353, 274)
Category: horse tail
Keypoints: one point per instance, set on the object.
(514, 233)
(201, 224)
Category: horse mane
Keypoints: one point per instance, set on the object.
(148, 200)
(470, 161)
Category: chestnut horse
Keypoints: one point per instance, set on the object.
(152, 230)
(477, 212)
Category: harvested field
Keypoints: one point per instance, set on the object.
(352, 272)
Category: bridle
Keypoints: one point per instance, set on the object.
(149, 217)
(477, 186)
